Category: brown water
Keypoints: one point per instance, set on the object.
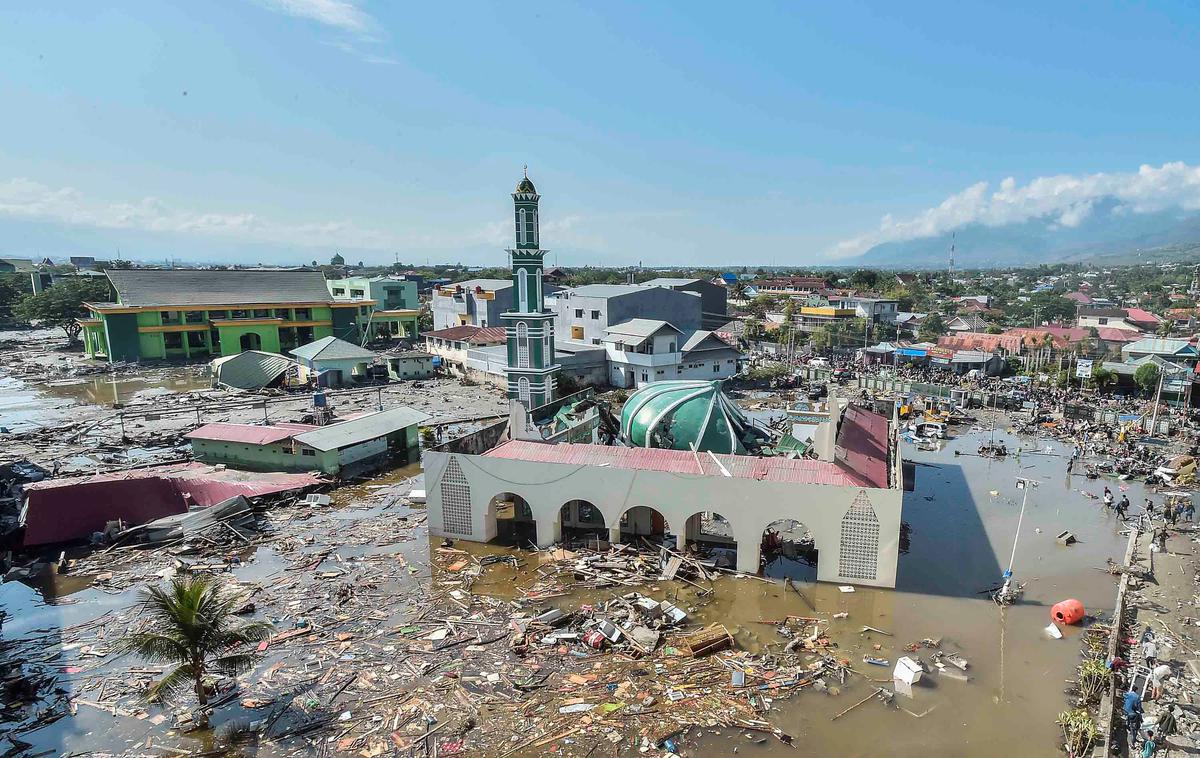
(960, 542)
(26, 405)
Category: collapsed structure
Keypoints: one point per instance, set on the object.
(664, 477)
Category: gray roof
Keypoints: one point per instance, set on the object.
(640, 327)
(487, 285)
(250, 369)
(162, 287)
(606, 290)
(362, 429)
(669, 281)
(331, 349)
(1159, 345)
(697, 339)
(19, 265)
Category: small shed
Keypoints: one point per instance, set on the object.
(409, 364)
(334, 362)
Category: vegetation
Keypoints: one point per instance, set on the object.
(62, 304)
(192, 624)
(1102, 377)
(1147, 377)
(13, 287)
(931, 328)
(1079, 731)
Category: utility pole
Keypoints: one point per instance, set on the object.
(1006, 594)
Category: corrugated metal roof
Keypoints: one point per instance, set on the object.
(796, 471)
(332, 349)
(162, 287)
(247, 433)
(361, 429)
(476, 335)
(250, 369)
(1160, 346)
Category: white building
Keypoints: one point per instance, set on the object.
(641, 351)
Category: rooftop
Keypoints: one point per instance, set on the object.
(487, 285)
(361, 429)
(606, 290)
(183, 287)
(249, 434)
(640, 327)
(796, 471)
(332, 349)
(476, 335)
(669, 281)
(1160, 346)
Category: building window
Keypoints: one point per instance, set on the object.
(356, 293)
(339, 291)
(303, 314)
(520, 226)
(308, 451)
(645, 377)
(522, 345)
(595, 341)
(523, 391)
(194, 317)
(595, 315)
(523, 290)
(859, 554)
(173, 341)
(717, 367)
(531, 221)
(577, 332)
(578, 313)
(456, 500)
(262, 312)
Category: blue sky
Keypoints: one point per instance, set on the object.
(687, 133)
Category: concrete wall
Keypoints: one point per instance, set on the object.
(681, 309)
(461, 488)
(468, 309)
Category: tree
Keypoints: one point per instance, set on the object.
(1103, 377)
(1147, 376)
(13, 287)
(62, 304)
(191, 623)
(865, 278)
(932, 327)
(1165, 327)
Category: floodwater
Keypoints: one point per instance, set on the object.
(25, 405)
(960, 543)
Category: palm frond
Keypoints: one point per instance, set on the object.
(158, 647)
(232, 665)
(182, 679)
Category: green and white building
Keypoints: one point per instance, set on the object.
(193, 313)
(395, 308)
(529, 326)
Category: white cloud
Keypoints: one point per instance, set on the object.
(1065, 200)
(342, 15)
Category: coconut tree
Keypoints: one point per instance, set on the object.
(191, 623)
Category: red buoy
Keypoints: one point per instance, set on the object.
(1067, 612)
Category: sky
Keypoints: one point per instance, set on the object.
(688, 133)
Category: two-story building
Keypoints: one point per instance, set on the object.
(395, 310)
(584, 314)
(714, 306)
(475, 302)
(641, 351)
(190, 313)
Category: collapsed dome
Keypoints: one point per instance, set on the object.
(675, 415)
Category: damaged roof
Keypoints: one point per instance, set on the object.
(184, 287)
(362, 429)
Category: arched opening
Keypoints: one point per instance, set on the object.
(522, 344)
(643, 522)
(523, 291)
(788, 551)
(523, 391)
(521, 226)
(709, 534)
(514, 519)
(581, 521)
(251, 341)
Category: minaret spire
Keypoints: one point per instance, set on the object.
(529, 327)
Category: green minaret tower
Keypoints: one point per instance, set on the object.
(530, 327)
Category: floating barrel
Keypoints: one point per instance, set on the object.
(1067, 612)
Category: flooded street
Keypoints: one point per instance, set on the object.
(961, 537)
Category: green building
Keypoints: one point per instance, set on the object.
(529, 326)
(366, 440)
(192, 313)
(396, 307)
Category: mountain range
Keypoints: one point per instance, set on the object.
(1110, 233)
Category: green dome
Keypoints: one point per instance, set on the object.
(676, 414)
(526, 186)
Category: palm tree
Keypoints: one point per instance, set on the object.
(191, 623)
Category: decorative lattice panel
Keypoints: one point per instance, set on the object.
(456, 500)
(860, 540)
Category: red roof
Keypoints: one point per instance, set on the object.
(248, 433)
(476, 335)
(1139, 316)
(72, 508)
(1080, 297)
(1112, 334)
(1060, 335)
(981, 341)
(796, 471)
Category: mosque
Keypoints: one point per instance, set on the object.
(681, 453)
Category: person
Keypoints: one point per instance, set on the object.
(1132, 707)
(1149, 507)
(1149, 746)
(1108, 498)
(1172, 512)
(1150, 650)
(1189, 510)
(1157, 675)
(1121, 506)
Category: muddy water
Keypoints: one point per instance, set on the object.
(962, 537)
(25, 405)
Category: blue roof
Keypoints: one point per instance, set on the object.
(1161, 346)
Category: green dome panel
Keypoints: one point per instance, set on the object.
(675, 415)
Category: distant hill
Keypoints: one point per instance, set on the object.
(1109, 233)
